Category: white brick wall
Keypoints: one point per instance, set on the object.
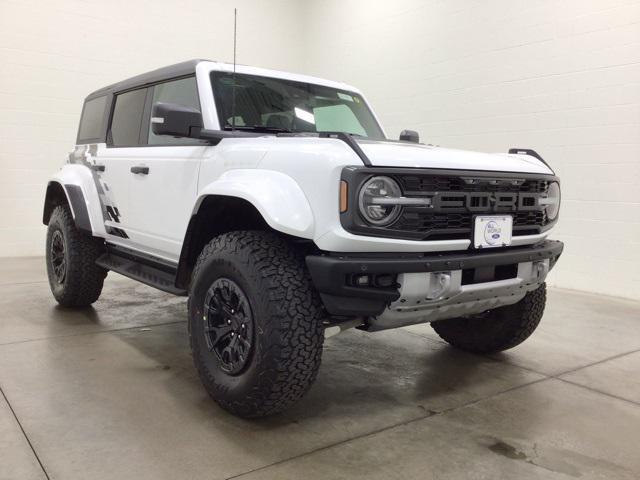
(53, 53)
(562, 77)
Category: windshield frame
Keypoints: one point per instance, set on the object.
(378, 135)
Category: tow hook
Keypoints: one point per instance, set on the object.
(333, 328)
(541, 269)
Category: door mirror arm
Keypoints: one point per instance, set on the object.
(409, 136)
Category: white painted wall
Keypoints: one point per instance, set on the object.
(54, 52)
(562, 77)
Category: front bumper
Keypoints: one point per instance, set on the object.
(429, 286)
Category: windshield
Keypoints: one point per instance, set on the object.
(273, 104)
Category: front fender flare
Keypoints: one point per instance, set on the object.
(277, 197)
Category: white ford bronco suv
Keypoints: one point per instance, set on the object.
(277, 204)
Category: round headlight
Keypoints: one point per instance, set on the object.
(552, 202)
(376, 200)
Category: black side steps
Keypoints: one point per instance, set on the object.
(159, 276)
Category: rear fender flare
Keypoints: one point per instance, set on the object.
(79, 187)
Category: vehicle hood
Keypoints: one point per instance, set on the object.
(401, 154)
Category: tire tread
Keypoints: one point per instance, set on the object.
(84, 279)
(499, 330)
(290, 364)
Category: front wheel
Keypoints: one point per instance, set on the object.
(255, 323)
(495, 330)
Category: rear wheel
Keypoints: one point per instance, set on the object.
(74, 277)
(495, 330)
(255, 323)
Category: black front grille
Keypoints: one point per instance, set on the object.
(455, 198)
(525, 219)
(421, 184)
(447, 226)
(443, 225)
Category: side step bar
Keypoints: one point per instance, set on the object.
(157, 276)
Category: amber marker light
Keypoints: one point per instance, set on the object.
(344, 190)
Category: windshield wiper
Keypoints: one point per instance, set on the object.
(259, 128)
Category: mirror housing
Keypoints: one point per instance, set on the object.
(175, 120)
(409, 136)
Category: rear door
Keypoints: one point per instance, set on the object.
(163, 176)
(123, 140)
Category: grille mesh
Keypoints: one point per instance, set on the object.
(420, 184)
(445, 225)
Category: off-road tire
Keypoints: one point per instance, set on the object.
(83, 279)
(498, 329)
(287, 315)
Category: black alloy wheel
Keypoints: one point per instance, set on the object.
(74, 276)
(228, 325)
(255, 323)
(58, 257)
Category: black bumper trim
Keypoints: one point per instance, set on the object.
(329, 272)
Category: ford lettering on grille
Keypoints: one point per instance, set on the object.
(485, 202)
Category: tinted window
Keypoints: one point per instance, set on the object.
(275, 104)
(127, 118)
(92, 121)
(183, 92)
(337, 118)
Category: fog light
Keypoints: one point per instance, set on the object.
(362, 280)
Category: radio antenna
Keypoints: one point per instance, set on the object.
(233, 88)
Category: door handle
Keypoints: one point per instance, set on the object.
(140, 169)
(97, 168)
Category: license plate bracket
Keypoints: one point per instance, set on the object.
(491, 231)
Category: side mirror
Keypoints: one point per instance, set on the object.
(175, 120)
(409, 136)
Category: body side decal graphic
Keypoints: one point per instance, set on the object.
(86, 155)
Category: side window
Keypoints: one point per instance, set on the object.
(127, 118)
(92, 121)
(182, 92)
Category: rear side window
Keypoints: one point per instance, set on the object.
(92, 126)
(127, 118)
(183, 92)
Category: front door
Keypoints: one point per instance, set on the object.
(161, 197)
(162, 176)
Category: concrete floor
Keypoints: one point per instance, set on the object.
(111, 392)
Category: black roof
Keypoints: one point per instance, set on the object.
(154, 76)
